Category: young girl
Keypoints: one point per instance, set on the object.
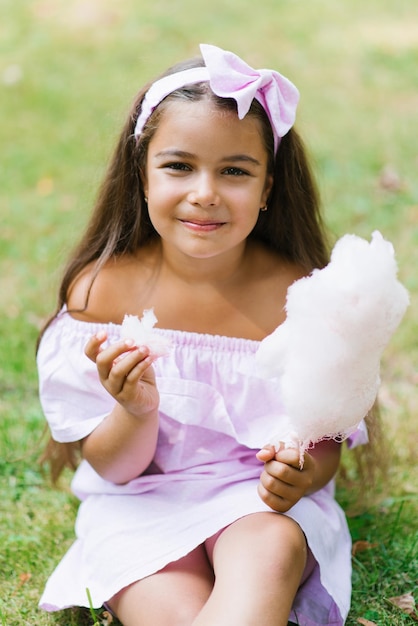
(207, 214)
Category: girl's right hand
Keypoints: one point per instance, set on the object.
(125, 372)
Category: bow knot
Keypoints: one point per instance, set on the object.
(231, 77)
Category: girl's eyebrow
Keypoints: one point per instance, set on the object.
(245, 158)
(182, 154)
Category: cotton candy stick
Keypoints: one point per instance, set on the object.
(326, 355)
(142, 333)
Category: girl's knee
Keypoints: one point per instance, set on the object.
(259, 561)
(284, 540)
(271, 538)
(277, 530)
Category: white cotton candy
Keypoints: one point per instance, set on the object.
(327, 352)
(141, 331)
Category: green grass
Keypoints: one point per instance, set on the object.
(68, 71)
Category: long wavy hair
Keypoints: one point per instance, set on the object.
(120, 223)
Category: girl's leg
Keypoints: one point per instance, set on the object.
(259, 562)
(172, 597)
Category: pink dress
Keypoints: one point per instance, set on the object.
(214, 416)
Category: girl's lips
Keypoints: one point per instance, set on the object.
(202, 226)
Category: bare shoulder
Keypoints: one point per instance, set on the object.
(270, 278)
(274, 269)
(107, 295)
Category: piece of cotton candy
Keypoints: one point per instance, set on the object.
(326, 355)
(141, 331)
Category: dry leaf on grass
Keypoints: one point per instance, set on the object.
(106, 618)
(23, 578)
(361, 546)
(405, 603)
(365, 622)
(389, 179)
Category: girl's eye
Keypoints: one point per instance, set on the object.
(177, 166)
(234, 171)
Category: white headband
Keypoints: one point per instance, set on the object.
(230, 77)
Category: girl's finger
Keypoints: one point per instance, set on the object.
(93, 346)
(274, 501)
(130, 365)
(111, 356)
(290, 456)
(266, 454)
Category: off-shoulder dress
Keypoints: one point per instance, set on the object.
(214, 416)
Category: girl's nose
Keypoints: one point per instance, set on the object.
(204, 191)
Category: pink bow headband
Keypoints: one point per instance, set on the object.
(230, 77)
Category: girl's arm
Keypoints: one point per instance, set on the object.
(123, 445)
(283, 483)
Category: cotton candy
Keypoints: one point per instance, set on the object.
(326, 355)
(141, 331)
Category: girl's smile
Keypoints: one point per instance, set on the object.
(206, 179)
(200, 226)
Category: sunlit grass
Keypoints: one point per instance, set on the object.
(68, 71)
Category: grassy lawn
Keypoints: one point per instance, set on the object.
(68, 71)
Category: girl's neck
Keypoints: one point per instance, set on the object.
(223, 270)
(238, 294)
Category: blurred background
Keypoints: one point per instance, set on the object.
(68, 72)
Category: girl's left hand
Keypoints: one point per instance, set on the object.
(282, 482)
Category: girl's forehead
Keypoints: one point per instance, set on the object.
(203, 109)
(203, 119)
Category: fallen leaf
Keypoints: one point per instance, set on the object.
(23, 578)
(106, 618)
(406, 603)
(365, 622)
(361, 546)
(389, 179)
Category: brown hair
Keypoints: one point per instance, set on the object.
(120, 223)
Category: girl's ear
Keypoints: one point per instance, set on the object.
(267, 189)
(144, 181)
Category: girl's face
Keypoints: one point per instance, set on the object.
(206, 179)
